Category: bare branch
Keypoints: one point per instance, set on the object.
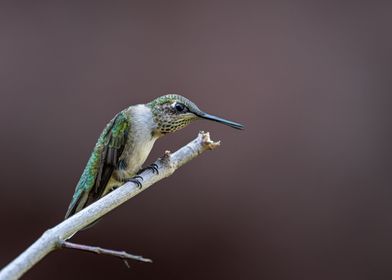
(53, 238)
(101, 251)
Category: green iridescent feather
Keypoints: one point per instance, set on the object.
(103, 160)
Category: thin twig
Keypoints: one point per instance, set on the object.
(101, 251)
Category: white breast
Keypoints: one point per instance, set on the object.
(140, 140)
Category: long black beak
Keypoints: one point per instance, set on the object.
(219, 120)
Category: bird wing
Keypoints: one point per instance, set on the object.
(102, 162)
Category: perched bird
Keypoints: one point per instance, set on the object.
(126, 141)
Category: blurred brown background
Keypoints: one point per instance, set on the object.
(303, 193)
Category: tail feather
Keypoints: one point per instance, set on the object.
(78, 203)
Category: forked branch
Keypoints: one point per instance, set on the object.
(55, 237)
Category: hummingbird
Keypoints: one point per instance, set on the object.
(127, 140)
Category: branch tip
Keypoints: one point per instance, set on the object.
(206, 140)
(126, 263)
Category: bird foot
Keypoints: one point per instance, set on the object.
(135, 179)
(153, 167)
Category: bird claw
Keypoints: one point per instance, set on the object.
(135, 180)
(153, 167)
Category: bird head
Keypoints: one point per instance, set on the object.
(172, 112)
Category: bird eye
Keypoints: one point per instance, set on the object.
(179, 107)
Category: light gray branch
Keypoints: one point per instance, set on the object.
(53, 238)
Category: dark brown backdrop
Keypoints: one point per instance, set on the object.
(303, 193)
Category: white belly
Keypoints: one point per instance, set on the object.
(137, 156)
